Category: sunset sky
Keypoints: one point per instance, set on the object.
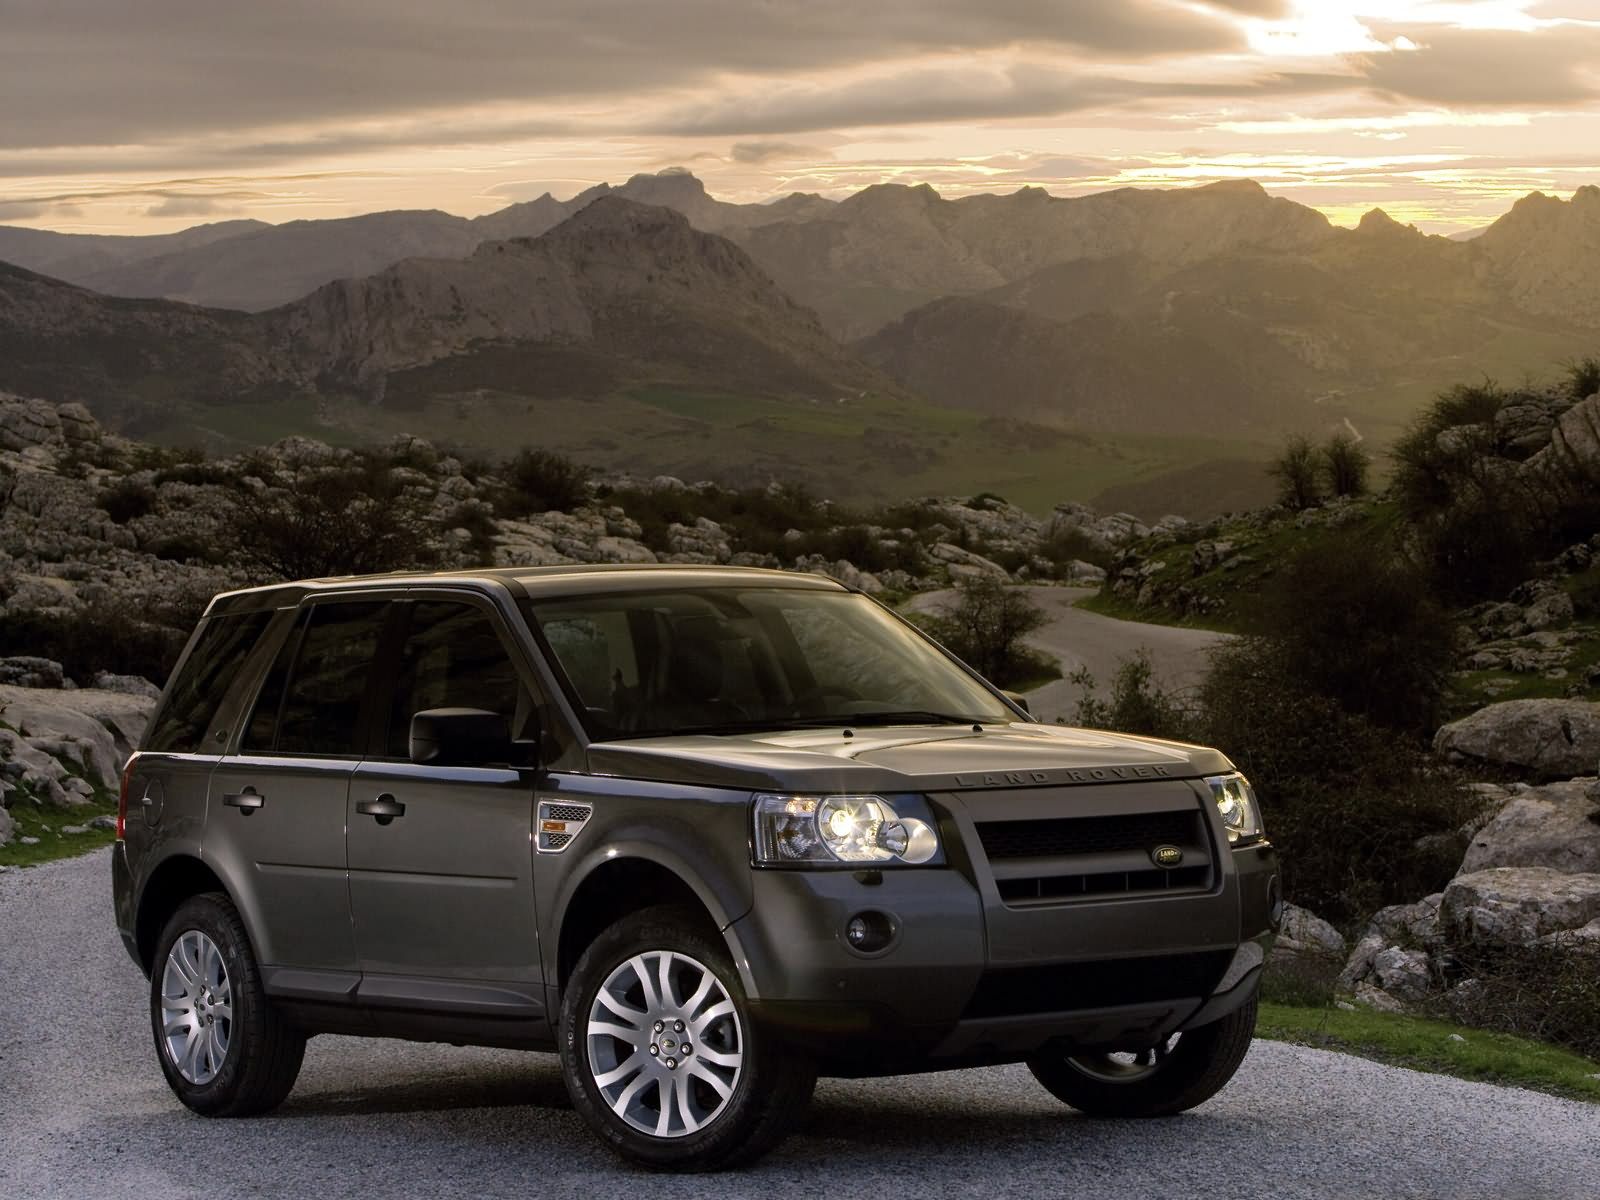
(144, 117)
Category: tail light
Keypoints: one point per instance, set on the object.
(122, 799)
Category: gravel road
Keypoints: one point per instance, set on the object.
(1084, 639)
(85, 1113)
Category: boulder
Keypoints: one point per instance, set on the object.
(1414, 925)
(1585, 937)
(1374, 997)
(1516, 906)
(8, 827)
(26, 423)
(94, 729)
(1572, 458)
(1547, 739)
(1523, 428)
(1555, 826)
(1303, 932)
(27, 671)
(1405, 974)
(954, 557)
(127, 685)
(1085, 574)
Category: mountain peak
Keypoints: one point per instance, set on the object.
(1233, 187)
(1378, 223)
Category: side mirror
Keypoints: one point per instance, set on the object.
(463, 737)
(1019, 700)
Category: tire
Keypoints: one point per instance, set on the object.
(1187, 1070)
(731, 1096)
(226, 1052)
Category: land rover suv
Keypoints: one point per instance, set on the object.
(706, 833)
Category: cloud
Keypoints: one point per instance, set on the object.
(1557, 65)
(188, 206)
(764, 152)
(106, 72)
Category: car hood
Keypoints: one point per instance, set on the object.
(904, 758)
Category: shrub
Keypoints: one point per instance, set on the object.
(538, 481)
(1296, 473)
(984, 626)
(308, 520)
(102, 636)
(127, 499)
(1349, 620)
(1136, 704)
(1548, 992)
(1583, 378)
(1344, 466)
(1361, 815)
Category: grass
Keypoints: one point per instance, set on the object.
(46, 825)
(1426, 1045)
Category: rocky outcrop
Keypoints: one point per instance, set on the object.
(86, 732)
(1555, 826)
(1305, 933)
(1547, 739)
(1516, 906)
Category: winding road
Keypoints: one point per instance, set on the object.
(84, 1113)
(1082, 639)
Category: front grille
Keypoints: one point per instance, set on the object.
(1062, 859)
(1058, 838)
(1106, 983)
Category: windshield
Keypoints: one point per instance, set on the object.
(643, 664)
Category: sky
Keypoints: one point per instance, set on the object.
(150, 116)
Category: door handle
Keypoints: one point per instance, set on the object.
(246, 801)
(383, 810)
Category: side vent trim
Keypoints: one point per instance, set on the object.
(560, 822)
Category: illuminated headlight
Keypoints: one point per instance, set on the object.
(843, 830)
(1236, 801)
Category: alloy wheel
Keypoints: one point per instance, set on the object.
(665, 1044)
(196, 1008)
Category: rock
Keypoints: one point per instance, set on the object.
(1402, 973)
(624, 550)
(1548, 739)
(1303, 932)
(1556, 826)
(127, 685)
(95, 729)
(1085, 574)
(1415, 925)
(78, 424)
(103, 822)
(954, 558)
(28, 841)
(1585, 937)
(30, 672)
(1359, 964)
(1549, 611)
(1572, 459)
(74, 830)
(26, 423)
(1207, 555)
(8, 827)
(1516, 906)
(1373, 997)
(1523, 427)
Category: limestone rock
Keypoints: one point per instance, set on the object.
(1556, 826)
(1402, 973)
(96, 730)
(1515, 906)
(955, 559)
(8, 827)
(1374, 997)
(1304, 932)
(1548, 739)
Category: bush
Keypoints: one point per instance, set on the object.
(102, 636)
(309, 520)
(984, 626)
(1361, 815)
(127, 499)
(1344, 466)
(1348, 620)
(1548, 992)
(1583, 378)
(1296, 473)
(1137, 704)
(541, 481)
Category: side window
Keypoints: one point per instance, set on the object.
(452, 658)
(311, 700)
(195, 695)
(597, 652)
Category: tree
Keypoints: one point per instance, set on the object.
(1296, 473)
(1344, 466)
(984, 626)
(541, 481)
(308, 518)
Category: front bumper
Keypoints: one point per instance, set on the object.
(968, 978)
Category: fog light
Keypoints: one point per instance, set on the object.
(869, 932)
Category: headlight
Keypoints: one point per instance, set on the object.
(1236, 801)
(843, 830)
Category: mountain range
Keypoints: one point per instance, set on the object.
(1215, 311)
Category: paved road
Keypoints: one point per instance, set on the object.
(1085, 639)
(84, 1113)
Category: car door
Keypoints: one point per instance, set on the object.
(440, 857)
(277, 803)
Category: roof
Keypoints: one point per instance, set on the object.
(567, 580)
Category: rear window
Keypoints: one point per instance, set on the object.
(200, 686)
(312, 699)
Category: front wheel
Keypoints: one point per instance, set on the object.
(660, 1055)
(226, 1052)
(1170, 1077)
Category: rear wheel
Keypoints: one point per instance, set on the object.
(660, 1054)
(226, 1052)
(1176, 1074)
